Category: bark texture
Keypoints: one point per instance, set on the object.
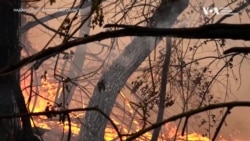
(115, 77)
(76, 64)
(162, 95)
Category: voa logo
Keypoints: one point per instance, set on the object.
(217, 11)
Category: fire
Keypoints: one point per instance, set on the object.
(193, 137)
(47, 92)
(74, 127)
(38, 122)
(39, 99)
(111, 134)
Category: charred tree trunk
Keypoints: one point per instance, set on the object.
(76, 64)
(11, 97)
(162, 95)
(115, 77)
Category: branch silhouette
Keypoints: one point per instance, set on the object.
(66, 112)
(225, 31)
(237, 50)
(228, 105)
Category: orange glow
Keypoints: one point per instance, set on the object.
(74, 127)
(47, 90)
(111, 134)
(40, 123)
(127, 102)
(192, 137)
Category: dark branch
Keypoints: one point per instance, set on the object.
(244, 50)
(32, 24)
(44, 25)
(225, 31)
(221, 122)
(66, 112)
(229, 105)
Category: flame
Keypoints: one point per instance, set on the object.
(47, 90)
(193, 137)
(127, 102)
(74, 127)
(38, 122)
(111, 134)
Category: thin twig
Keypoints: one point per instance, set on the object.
(226, 31)
(221, 122)
(190, 113)
(184, 126)
(64, 112)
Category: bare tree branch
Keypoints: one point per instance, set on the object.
(225, 31)
(228, 105)
(244, 50)
(32, 24)
(66, 112)
(221, 122)
(44, 25)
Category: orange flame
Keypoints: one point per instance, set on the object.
(48, 90)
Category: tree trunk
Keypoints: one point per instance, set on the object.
(77, 63)
(115, 77)
(164, 78)
(11, 97)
